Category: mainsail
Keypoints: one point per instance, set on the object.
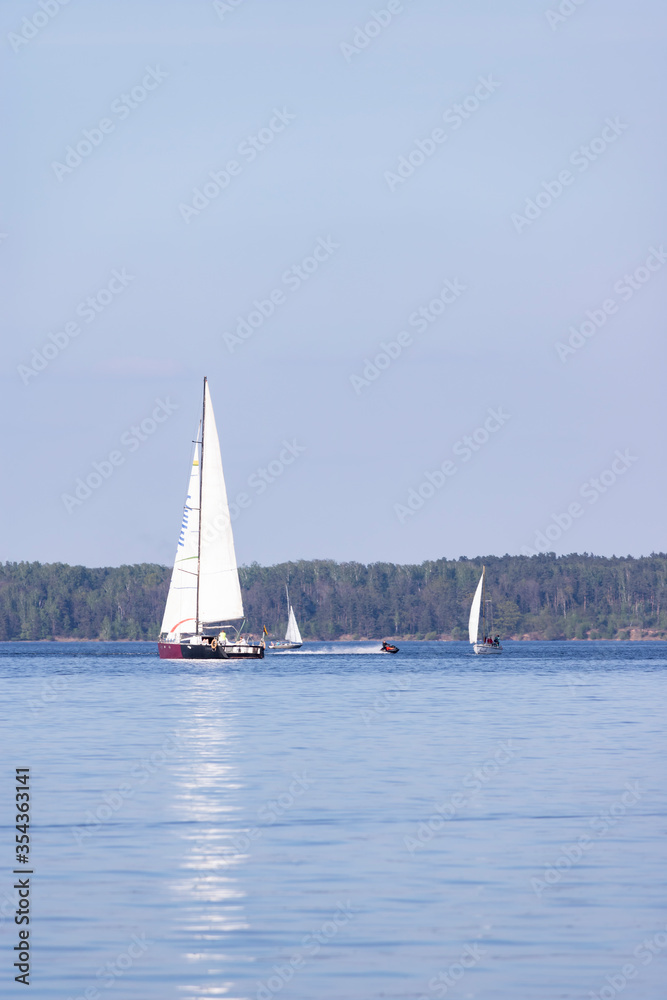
(473, 621)
(181, 608)
(292, 634)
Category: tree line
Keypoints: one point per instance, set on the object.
(539, 597)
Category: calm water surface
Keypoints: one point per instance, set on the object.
(339, 823)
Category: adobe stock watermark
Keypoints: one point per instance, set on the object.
(454, 973)
(130, 441)
(269, 813)
(292, 279)
(365, 34)
(259, 482)
(114, 800)
(645, 953)
(51, 691)
(224, 7)
(464, 449)
(454, 117)
(122, 107)
(88, 309)
(625, 288)
(473, 782)
(591, 490)
(116, 968)
(565, 9)
(311, 945)
(574, 852)
(581, 158)
(250, 148)
(576, 679)
(420, 320)
(386, 700)
(36, 22)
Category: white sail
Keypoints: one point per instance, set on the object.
(473, 621)
(181, 608)
(292, 634)
(219, 588)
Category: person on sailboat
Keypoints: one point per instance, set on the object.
(496, 641)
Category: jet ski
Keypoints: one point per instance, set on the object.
(387, 647)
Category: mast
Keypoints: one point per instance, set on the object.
(483, 601)
(201, 483)
(288, 611)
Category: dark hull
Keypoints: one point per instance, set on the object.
(197, 651)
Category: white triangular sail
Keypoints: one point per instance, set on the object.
(181, 608)
(219, 588)
(292, 634)
(473, 621)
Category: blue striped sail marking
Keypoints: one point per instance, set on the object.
(184, 524)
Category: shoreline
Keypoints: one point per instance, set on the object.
(394, 638)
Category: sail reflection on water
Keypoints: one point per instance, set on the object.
(208, 904)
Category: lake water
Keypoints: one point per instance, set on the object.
(339, 824)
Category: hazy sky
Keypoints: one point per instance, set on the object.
(470, 184)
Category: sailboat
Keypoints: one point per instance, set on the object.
(205, 592)
(292, 638)
(477, 609)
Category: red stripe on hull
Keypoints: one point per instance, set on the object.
(170, 650)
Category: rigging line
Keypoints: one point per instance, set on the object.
(201, 484)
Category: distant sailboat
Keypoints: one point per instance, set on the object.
(205, 592)
(477, 609)
(292, 638)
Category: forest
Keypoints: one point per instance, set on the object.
(539, 597)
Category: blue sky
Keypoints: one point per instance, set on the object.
(367, 164)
